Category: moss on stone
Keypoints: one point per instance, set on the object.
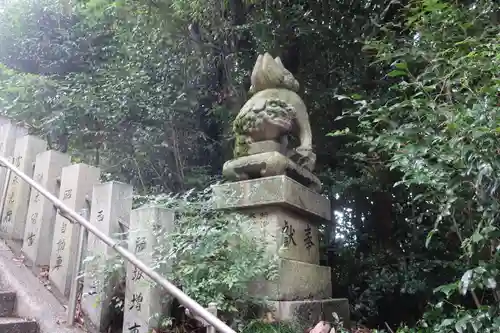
(251, 121)
(241, 146)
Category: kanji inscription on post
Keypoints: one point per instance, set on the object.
(76, 185)
(137, 274)
(100, 215)
(140, 244)
(25, 153)
(308, 242)
(9, 134)
(39, 231)
(34, 216)
(67, 194)
(143, 300)
(17, 161)
(134, 328)
(289, 233)
(136, 301)
(31, 237)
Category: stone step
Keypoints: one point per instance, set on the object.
(7, 303)
(18, 325)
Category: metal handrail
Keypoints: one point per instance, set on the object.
(73, 216)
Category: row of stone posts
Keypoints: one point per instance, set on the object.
(31, 227)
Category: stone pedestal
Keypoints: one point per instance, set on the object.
(290, 214)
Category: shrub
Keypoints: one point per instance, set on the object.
(211, 254)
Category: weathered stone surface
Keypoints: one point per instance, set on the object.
(265, 147)
(273, 183)
(8, 135)
(267, 165)
(77, 182)
(111, 206)
(39, 230)
(310, 312)
(7, 303)
(143, 300)
(274, 112)
(33, 300)
(278, 190)
(16, 205)
(288, 234)
(297, 281)
(18, 325)
(270, 73)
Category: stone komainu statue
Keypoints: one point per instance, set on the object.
(264, 124)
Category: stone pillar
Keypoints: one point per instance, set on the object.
(16, 206)
(111, 206)
(39, 229)
(8, 135)
(290, 213)
(77, 182)
(144, 300)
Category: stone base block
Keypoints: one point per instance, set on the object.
(297, 281)
(288, 234)
(269, 164)
(278, 191)
(308, 313)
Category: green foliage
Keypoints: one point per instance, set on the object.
(215, 254)
(241, 146)
(148, 90)
(261, 327)
(438, 126)
(240, 129)
(104, 275)
(211, 255)
(110, 85)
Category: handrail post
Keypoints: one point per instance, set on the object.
(212, 308)
(73, 294)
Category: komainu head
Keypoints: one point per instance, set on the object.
(269, 73)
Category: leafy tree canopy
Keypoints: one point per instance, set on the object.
(403, 101)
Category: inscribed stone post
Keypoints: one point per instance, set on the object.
(39, 229)
(142, 297)
(16, 206)
(77, 182)
(8, 135)
(111, 206)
